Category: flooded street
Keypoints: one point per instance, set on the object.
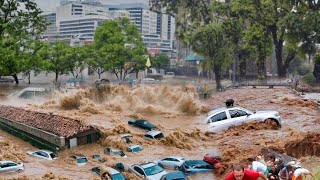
(178, 112)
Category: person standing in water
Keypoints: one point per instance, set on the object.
(239, 173)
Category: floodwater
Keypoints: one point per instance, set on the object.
(178, 112)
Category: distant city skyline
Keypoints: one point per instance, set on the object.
(50, 5)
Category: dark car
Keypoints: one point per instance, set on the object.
(175, 175)
(145, 124)
(195, 166)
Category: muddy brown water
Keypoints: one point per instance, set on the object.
(174, 110)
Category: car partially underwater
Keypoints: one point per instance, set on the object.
(225, 117)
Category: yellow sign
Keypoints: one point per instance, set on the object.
(148, 64)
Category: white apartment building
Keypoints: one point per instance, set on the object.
(157, 29)
(77, 20)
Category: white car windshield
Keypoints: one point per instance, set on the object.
(153, 170)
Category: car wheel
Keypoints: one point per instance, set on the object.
(19, 170)
(272, 123)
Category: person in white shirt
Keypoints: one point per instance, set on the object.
(298, 173)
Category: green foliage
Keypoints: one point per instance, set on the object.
(57, 58)
(161, 61)
(19, 20)
(309, 79)
(118, 46)
(316, 59)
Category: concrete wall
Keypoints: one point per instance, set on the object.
(49, 137)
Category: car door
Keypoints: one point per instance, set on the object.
(219, 121)
(167, 162)
(11, 166)
(238, 116)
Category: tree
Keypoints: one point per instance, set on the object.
(200, 26)
(76, 59)
(56, 58)
(19, 20)
(161, 61)
(96, 59)
(316, 70)
(120, 44)
(31, 60)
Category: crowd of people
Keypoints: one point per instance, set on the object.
(269, 168)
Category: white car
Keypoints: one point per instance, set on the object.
(108, 173)
(6, 166)
(153, 134)
(173, 162)
(226, 117)
(45, 154)
(149, 171)
(31, 93)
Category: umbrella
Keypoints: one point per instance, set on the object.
(194, 57)
(148, 64)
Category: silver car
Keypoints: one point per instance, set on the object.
(149, 171)
(10, 166)
(226, 117)
(45, 154)
(172, 162)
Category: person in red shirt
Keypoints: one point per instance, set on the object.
(239, 173)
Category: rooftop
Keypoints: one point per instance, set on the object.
(58, 125)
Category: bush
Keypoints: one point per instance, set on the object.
(317, 173)
(309, 79)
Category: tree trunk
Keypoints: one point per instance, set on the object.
(281, 69)
(99, 74)
(16, 78)
(217, 73)
(29, 77)
(261, 66)
(57, 75)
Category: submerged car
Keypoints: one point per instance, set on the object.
(144, 124)
(175, 175)
(195, 166)
(149, 170)
(80, 159)
(113, 151)
(45, 154)
(6, 166)
(127, 138)
(173, 162)
(226, 117)
(106, 172)
(154, 135)
(135, 148)
(31, 93)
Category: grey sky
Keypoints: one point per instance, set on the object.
(50, 5)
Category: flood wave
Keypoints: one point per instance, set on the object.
(150, 99)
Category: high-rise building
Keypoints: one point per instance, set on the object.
(157, 29)
(77, 20)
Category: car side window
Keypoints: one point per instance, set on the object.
(158, 136)
(139, 170)
(237, 113)
(219, 117)
(148, 136)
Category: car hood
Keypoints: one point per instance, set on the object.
(157, 176)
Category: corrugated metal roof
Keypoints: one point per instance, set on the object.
(58, 125)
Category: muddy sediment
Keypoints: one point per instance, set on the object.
(309, 146)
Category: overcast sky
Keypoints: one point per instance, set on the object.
(50, 5)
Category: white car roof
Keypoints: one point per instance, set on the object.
(111, 170)
(1, 162)
(175, 157)
(146, 165)
(47, 151)
(153, 132)
(134, 146)
(33, 89)
(223, 109)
